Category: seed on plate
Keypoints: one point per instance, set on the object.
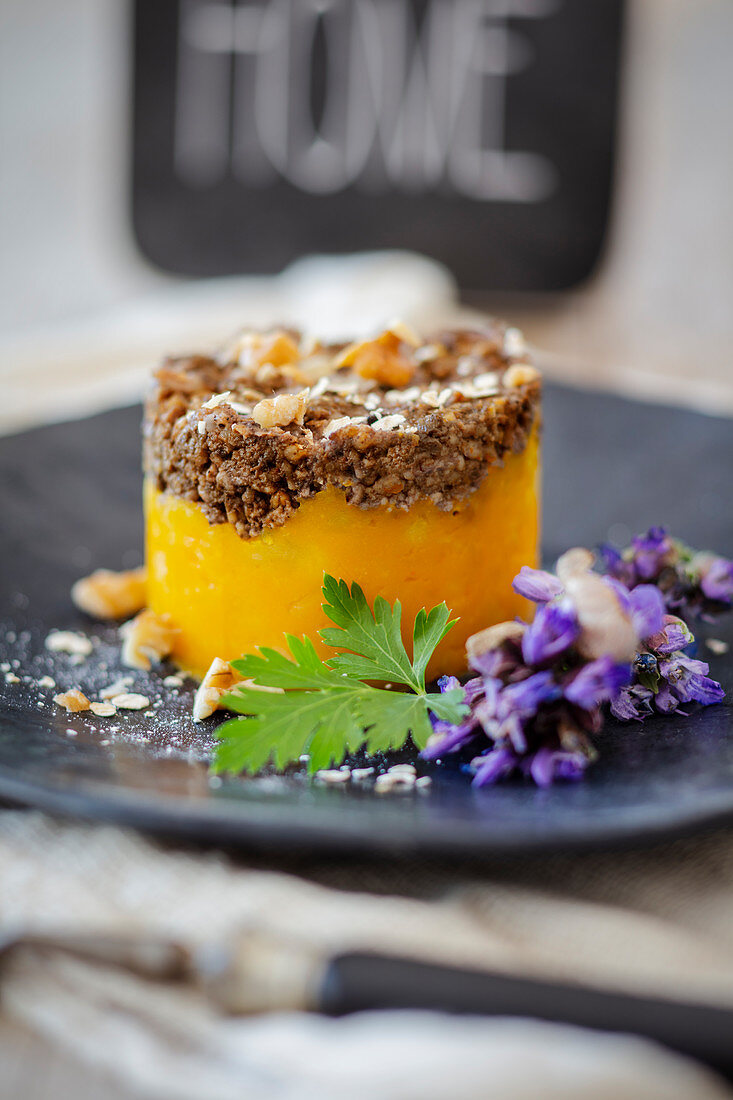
(130, 700)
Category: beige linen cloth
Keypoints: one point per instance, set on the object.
(656, 921)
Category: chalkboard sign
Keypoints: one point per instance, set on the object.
(480, 132)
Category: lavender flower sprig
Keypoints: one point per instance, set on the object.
(665, 676)
(536, 701)
(693, 583)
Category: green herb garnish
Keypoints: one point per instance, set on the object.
(325, 709)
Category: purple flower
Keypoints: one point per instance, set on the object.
(494, 765)
(617, 565)
(716, 580)
(644, 605)
(527, 696)
(596, 683)
(652, 552)
(665, 700)
(549, 764)
(632, 703)
(673, 635)
(543, 766)
(647, 609)
(553, 630)
(537, 585)
(689, 681)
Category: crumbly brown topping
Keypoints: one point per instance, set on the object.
(272, 420)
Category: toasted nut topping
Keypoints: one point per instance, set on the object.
(108, 595)
(65, 641)
(218, 680)
(103, 710)
(73, 701)
(130, 701)
(277, 412)
(46, 682)
(146, 639)
(381, 360)
(520, 375)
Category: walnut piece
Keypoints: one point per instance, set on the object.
(520, 375)
(146, 639)
(383, 359)
(278, 412)
(218, 680)
(109, 595)
(73, 701)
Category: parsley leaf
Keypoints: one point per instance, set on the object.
(324, 709)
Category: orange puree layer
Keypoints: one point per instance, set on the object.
(228, 595)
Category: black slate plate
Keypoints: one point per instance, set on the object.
(69, 496)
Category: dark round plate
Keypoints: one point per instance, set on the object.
(70, 496)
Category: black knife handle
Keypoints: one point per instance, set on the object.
(357, 982)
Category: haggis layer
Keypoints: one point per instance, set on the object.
(255, 478)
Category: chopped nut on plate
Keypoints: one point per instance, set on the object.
(66, 641)
(109, 595)
(146, 639)
(116, 688)
(217, 681)
(73, 701)
(130, 700)
(103, 710)
(277, 412)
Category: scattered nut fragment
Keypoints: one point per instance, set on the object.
(130, 701)
(717, 646)
(514, 343)
(361, 775)
(118, 687)
(47, 682)
(333, 775)
(173, 681)
(103, 710)
(146, 639)
(109, 595)
(389, 422)
(341, 422)
(428, 352)
(217, 681)
(11, 678)
(520, 374)
(277, 412)
(217, 399)
(73, 701)
(66, 641)
(388, 782)
(423, 782)
(403, 769)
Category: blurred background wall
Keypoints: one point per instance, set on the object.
(653, 318)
